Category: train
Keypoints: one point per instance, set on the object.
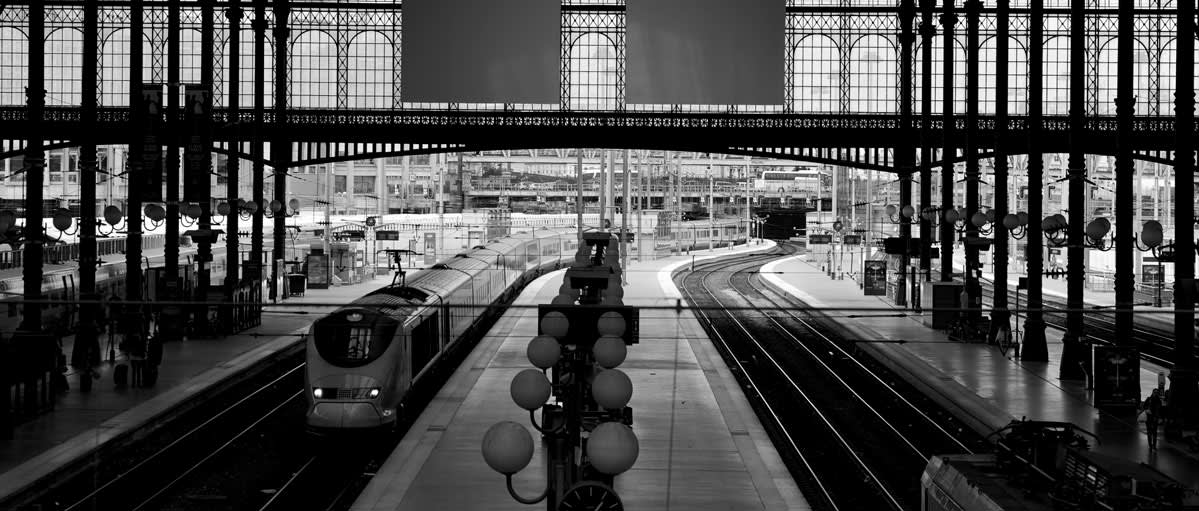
(60, 283)
(366, 358)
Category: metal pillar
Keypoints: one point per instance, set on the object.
(1034, 347)
(579, 192)
(233, 163)
(258, 151)
(973, 176)
(204, 251)
(35, 168)
(281, 145)
(85, 352)
(927, 31)
(173, 162)
(1124, 278)
(1073, 350)
(35, 162)
(1184, 379)
(999, 314)
(624, 219)
(948, 19)
(906, 155)
(133, 238)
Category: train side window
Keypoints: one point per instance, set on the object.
(425, 342)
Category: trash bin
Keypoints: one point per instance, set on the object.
(296, 283)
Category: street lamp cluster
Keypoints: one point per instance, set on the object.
(583, 336)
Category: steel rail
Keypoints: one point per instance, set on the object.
(218, 450)
(183, 437)
(844, 443)
(856, 362)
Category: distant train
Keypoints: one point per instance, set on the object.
(364, 358)
(61, 283)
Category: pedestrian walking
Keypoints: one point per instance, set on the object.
(1152, 408)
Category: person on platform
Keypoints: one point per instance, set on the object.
(1152, 408)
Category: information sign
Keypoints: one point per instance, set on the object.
(1151, 274)
(875, 273)
(820, 239)
(1117, 377)
(318, 271)
(430, 248)
(852, 239)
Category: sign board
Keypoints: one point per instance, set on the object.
(318, 271)
(1117, 377)
(583, 321)
(820, 239)
(852, 239)
(1151, 274)
(151, 151)
(387, 235)
(430, 248)
(875, 278)
(198, 150)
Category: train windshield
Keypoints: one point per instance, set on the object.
(347, 344)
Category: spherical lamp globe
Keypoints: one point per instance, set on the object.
(609, 351)
(530, 389)
(978, 219)
(544, 351)
(890, 210)
(507, 447)
(612, 389)
(612, 448)
(907, 211)
(113, 215)
(62, 219)
(1151, 234)
(1098, 228)
(611, 323)
(555, 323)
(1011, 221)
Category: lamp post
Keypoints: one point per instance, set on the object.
(589, 440)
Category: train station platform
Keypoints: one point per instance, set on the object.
(975, 381)
(701, 445)
(83, 422)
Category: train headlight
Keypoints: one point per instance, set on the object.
(316, 392)
(374, 393)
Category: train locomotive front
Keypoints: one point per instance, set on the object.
(354, 380)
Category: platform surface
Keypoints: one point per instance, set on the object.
(701, 446)
(81, 422)
(1021, 389)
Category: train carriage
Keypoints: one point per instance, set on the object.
(398, 333)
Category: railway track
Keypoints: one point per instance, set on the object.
(853, 435)
(1156, 346)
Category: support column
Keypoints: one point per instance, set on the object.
(135, 177)
(1034, 347)
(948, 19)
(258, 151)
(1183, 376)
(233, 163)
(35, 162)
(1000, 315)
(1124, 278)
(204, 251)
(281, 145)
(173, 162)
(927, 31)
(1074, 354)
(85, 353)
(906, 154)
(973, 175)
